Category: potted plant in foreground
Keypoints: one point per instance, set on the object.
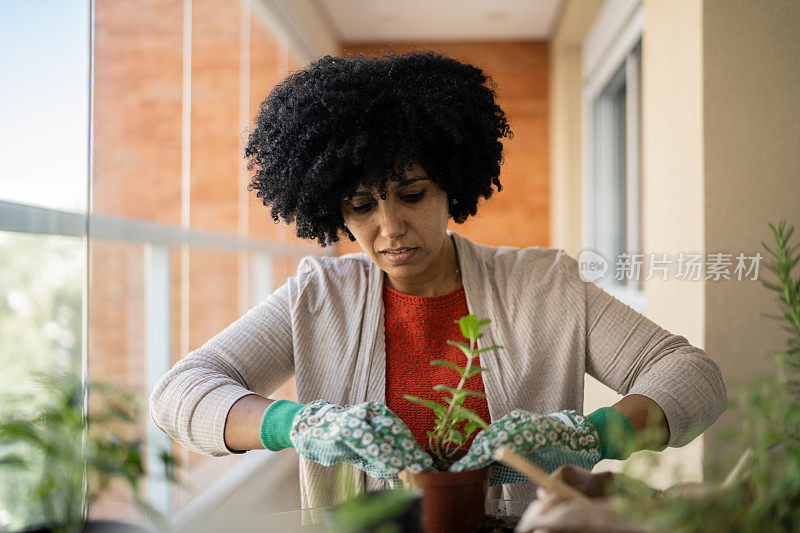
(49, 443)
(454, 501)
(389, 511)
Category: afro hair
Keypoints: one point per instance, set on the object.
(345, 121)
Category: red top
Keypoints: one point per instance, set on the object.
(417, 331)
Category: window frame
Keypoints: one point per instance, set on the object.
(611, 59)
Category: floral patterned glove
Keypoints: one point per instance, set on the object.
(368, 435)
(565, 437)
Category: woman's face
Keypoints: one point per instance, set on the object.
(414, 215)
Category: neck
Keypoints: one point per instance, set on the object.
(444, 277)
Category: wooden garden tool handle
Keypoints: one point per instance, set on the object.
(742, 467)
(507, 456)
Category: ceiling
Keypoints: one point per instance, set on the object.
(360, 21)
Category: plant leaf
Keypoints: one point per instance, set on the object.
(14, 461)
(475, 369)
(437, 408)
(469, 414)
(451, 390)
(448, 364)
(769, 249)
(464, 346)
(455, 436)
(771, 286)
(788, 234)
(23, 431)
(456, 392)
(459, 400)
(493, 347)
(469, 326)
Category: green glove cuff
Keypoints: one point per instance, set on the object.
(615, 432)
(277, 423)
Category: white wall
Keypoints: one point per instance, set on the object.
(565, 123)
(672, 184)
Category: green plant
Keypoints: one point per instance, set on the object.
(763, 495)
(455, 423)
(50, 442)
(390, 511)
(788, 291)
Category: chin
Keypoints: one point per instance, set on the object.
(402, 271)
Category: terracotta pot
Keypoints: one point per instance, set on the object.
(451, 501)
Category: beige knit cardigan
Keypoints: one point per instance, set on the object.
(325, 327)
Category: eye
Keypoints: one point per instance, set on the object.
(361, 208)
(413, 198)
(410, 198)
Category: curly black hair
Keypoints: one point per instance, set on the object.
(342, 121)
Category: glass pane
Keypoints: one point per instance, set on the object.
(138, 105)
(620, 174)
(171, 106)
(213, 304)
(609, 169)
(41, 280)
(44, 116)
(634, 106)
(118, 352)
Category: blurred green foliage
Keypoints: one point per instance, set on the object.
(40, 326)
(762, 493)
(390, 511)
(47, 439)
(62, 444)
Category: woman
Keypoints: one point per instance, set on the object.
(388, 151)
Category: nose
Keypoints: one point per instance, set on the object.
(390, 218)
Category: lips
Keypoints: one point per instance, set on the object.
(399, 257)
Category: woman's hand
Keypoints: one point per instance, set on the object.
(368, 435)
(552, 513)
(565, 437)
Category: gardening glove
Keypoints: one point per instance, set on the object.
(367, 434)
(564, 437)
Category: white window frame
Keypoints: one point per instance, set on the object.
(608, 50)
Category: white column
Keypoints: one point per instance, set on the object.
(157, 331)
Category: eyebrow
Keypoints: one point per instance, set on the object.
(402, 182)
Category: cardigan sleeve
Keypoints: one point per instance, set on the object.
(190, 402)
(633, 355)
